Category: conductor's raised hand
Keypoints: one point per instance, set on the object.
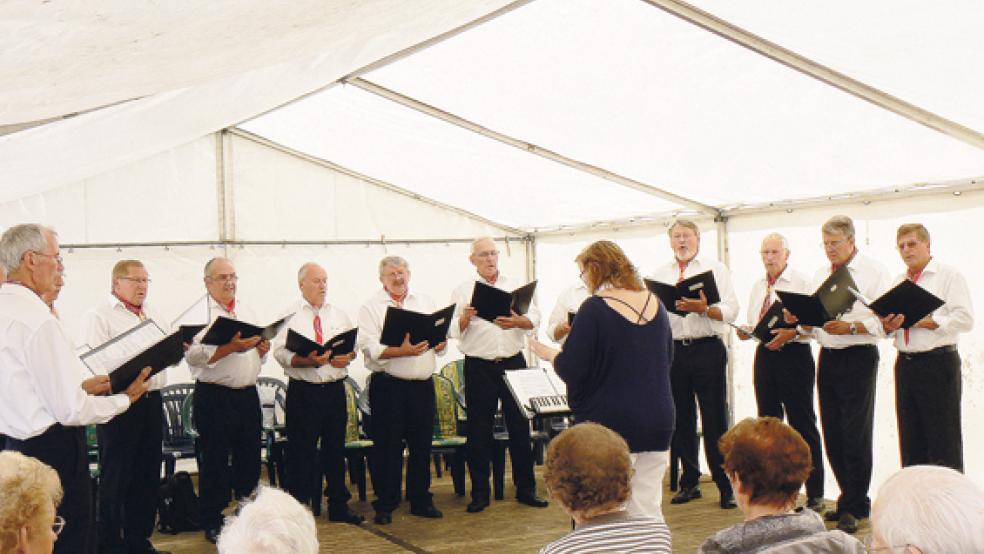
(892, 322)
(543, 351)
(139, 386)
(97, 385)
(693, 305)
(410, 349)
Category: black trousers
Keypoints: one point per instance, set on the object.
(229, 422)
(484, 388)
(846, 389)
(784, 381)
(130, 457)
(698, 378)
(317, 412)
(402, 412)
(928, 387)
(64, 449)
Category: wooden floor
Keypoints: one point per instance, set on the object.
(506, 526)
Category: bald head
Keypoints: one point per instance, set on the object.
(312, 279)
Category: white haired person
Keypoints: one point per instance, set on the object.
(273, 523)
(29, 493)
(928, 510)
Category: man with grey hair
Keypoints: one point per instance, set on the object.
(272, 523)
(784, 372)
(226, 403)
(928, 510)
(43, 408)
(846, 373)
(700, 360)
(316, 408)
(401, 396)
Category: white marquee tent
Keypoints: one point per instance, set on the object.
(341, 131)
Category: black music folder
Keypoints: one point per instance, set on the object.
(906, 298)
(340, 345)
(432, 328)
(688, 288)
(490, 302)
(770, 321)
(829, 302)
(167, 352)
(189, 332)
(224, 328)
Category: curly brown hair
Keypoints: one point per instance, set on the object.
(605, 263)
(27, 487)
(771, 459)
(588, 469)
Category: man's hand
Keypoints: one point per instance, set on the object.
(441, 346)
(788, 317)
(467, 313)
(561, 331)
(340, 362)
(780, 338)
(513, 321)
(744, 333)
(311, 360)
(239, 344)
(927, 323)
(263, 347)
(693, 305)
(97, 385)
(139, 386)
(837, 327)
(892, 322)
(409, 349)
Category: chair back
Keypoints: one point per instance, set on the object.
(352, 393)
(273, 401)
(188, 415)
(446, 404)
(172, 401)
(455, 372)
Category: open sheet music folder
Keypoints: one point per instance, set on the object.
(690, 287)
(124, 356)
(490, 302)
(432, 328)
(830, 301)
(538, 392)
(771, 320)
(223, 329)
(906, 298)
(340, 345)
(166, 353)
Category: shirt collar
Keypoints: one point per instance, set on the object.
(604, 519)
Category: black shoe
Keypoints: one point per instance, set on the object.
(212, 535)
(816, 504)
(427, 511)
(383, 518)
(832, 515)
(686, 494)
(531, 499)
(345, 516)
(848, 523)
(728, 501)
(476, 506)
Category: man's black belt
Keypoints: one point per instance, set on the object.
(929, 353)
(304, 383)
(695, 341)
(495, 360)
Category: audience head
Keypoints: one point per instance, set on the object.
(485, 257)
(928, 510)
(130, 281)
(394, 274)
(29, 493)
(838, 239)
(273, 523)
(767, 460)
(221, 280)
(603, 264)
(684, 239)
(30, 254)
(312, 279)
(588, 470)
(912, 240)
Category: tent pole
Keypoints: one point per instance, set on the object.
(723, 252)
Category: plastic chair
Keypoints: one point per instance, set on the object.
(273, 405)
(188, 418)
(448, 441)
(358, 447)
(177, 442)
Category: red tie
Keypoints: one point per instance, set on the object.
(318, 337)
(132, 308)
(231, 308)
(683, 268)
(914, 279)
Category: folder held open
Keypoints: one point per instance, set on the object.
(689, 288)
(831, 300)
(906, 298)
(223, 329)
(490, 302)
(432, 328)
(341, 344)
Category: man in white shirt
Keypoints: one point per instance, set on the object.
(226, 403)
(129, 444)
(846, 374)
(927, 370)
(43, 409)
(491, 348)
(700, 363)
(316, 407)
(401, 396)
(569, 302)
(784, 372)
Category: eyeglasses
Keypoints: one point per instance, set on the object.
(225, 278)
(487, 254)
(58, 526)
(135, 280)
(833, 244)
(56, 257)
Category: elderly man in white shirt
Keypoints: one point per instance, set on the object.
(43, 407)
(927, 369)
(226, 402)
(401, 396)
(700, 361)
(784, 372)
(491, 348)
(316, 406)
(569, 302)
(129, 444)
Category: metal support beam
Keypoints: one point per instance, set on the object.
(226, 244)
(525, 146)
(818, 71)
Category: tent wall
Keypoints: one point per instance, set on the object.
(950, 219)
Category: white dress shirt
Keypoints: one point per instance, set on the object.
(371, 318)
(872, 281)
(954, 317)
(40, 382)
(568, 303)
(484, 339)
(333, 322)
(111, 319)
(790, 281)
(238, 369)
(693, 325)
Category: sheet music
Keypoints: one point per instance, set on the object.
(558, 384)
(115, 352)
(536, 384)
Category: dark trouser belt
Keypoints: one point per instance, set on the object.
(690, 341)
(934, 352)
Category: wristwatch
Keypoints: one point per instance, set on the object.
(854, 328)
